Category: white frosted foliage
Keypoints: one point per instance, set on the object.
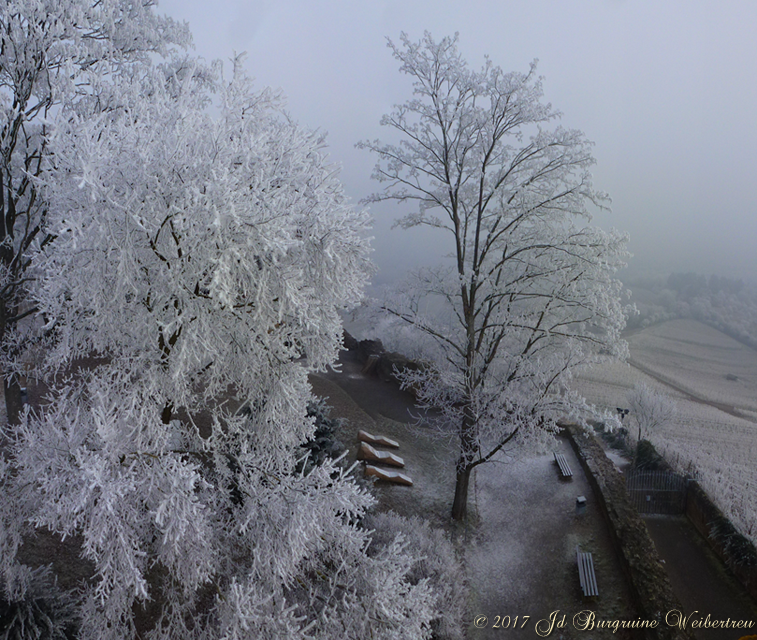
(527, 294)
(55, 55)
(652, 410)
(202, 255)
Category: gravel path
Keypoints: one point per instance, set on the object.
(698, 578)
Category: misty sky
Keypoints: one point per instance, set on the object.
(666, 89)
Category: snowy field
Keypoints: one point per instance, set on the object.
(700, 360)
(713, 380)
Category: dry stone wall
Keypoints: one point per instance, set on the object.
(649, 583)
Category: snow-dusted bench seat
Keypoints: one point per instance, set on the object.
(562, 462)
(367, 452)
(382, 441)
(390, 475)
(586, 574)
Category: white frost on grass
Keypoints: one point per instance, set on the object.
(501, 549)
(700, 360)
(523, 512)
(607, 385)
(714, 446)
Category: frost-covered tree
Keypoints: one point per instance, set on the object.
(199, 265)
(529, 294)
(651, 410)
(54, 53)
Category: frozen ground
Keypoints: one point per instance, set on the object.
(699, 360)
(522, 560)
(520, 555)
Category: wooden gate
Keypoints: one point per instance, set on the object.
(657, 492)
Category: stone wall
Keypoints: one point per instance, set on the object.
(650, 587)
(387, 362)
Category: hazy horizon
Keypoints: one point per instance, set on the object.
(666, 91)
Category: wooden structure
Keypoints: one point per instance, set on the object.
(367, 452)
(374, 457)
(562, 463)
(381, 441)
(586, 574)
(390, 475)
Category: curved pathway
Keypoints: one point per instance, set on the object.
(688, 394)
(699, 579)
(520, 548)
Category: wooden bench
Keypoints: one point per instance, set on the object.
(382, 441)
(586, 574)
(390, 475)
(367, 452)
(562, 463)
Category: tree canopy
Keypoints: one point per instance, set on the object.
(652, 410)
(201, 256)
(55, 54)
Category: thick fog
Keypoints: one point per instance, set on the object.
(667, 91)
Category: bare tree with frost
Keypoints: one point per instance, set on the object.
(651, 409)
(52, 53)
(200, 263)
(528, 295)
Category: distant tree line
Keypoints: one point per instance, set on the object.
(691, 285)
(727, 304)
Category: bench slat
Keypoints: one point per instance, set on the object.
(586, 575)
(382, 441)
(562, 463)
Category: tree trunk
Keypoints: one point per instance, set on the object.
(460, 505)
(13, 403)
(11, 385)
(468, 448)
